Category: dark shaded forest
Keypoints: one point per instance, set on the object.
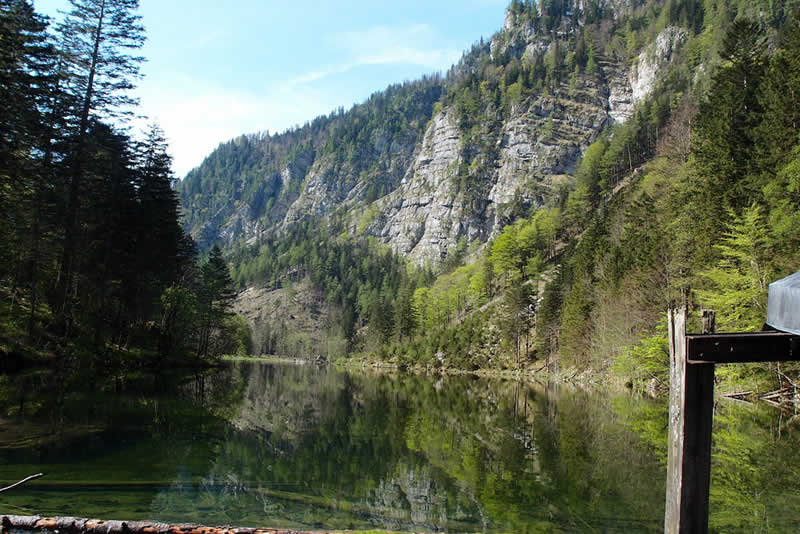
(95, 269)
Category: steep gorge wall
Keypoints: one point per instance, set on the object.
(518, 158)
(534, 151)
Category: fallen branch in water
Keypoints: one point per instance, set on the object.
(738, 395)
(23, 481)
(74, 525)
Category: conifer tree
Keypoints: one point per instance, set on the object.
(25, 58)
(780, 98)
(724, 137)
(97, 38)
(723, 141)
(108, 243)
(215, 299)
(159, 231)
(737, 286)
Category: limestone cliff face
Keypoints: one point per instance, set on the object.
(529, 155)
(425, 190)
(536, 148)
(644, 74)
(531, 152)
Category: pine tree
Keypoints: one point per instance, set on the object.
(724, 138)
(723, 142)
(159, 231)
(106, 266)
(215, 299)
(780, 98)
(26, 85)
(97, 36)
(25, 60)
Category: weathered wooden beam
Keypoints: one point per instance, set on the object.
(691, 410)
(743, 347)
(76, 525)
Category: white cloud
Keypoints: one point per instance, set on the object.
(196, 117)
(415, 44)
(384, 45)
(382, 37)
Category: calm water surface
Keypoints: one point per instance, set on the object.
(306, 447)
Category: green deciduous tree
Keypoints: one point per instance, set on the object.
(737, 286)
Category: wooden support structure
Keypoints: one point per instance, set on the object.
(691, 408)
(741, 348)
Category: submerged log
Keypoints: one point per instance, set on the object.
(76, 525)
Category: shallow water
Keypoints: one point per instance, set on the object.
(307, 447)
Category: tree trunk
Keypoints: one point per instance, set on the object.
(70, 228)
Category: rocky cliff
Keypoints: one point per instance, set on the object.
(422, 177)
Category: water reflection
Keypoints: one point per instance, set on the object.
(308, 447)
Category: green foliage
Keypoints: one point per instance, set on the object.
(215, 299)
(239, 336)
(94, 266)
(647, 361)
(783, 196)
(179, 319)
(524, 246)
(724, 142)
(737, 284)
(516, 317)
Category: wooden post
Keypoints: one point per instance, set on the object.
(691, 410)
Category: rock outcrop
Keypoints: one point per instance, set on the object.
(425, 191)
(533, 151)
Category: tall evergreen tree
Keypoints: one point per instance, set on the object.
(724, 137)
(780, 99)
(216, 298)
(98, 36)
(158, 229)
(108, 213)
(25, 58)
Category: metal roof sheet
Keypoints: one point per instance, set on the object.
(783, 304)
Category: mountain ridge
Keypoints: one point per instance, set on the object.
(578, 173)
(315, 177)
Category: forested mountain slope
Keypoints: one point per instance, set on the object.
(588, 165)
(433, 161)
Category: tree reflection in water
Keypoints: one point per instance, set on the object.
(302, 446)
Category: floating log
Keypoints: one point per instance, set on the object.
(75, 525)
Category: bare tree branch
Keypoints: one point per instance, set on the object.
(23, 481)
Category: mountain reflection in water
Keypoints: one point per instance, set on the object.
(307, 447)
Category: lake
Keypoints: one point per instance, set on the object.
(300, 446)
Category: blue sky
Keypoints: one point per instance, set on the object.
(219, 69)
